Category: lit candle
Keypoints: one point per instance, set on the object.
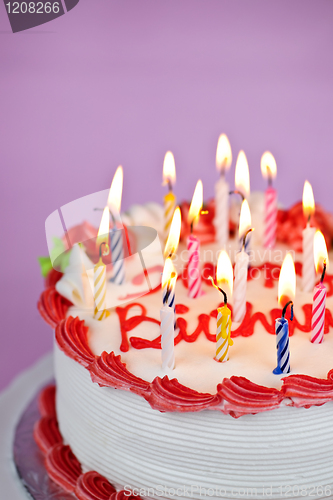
(268, 169)
(224, 275)
(319, 293)
(169, 252)
(101, 312)
(174, 234)
(167, 317)
(240, 285)
(169, 278)
(193, 245)
(308, 268)
(242, 175)
(286, 291)
(244, 225)
(223, 163)
(169, 178)
(116, 233)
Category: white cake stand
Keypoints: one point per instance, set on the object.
(13, 401)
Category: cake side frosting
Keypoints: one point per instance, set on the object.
(118, 434)
(155, 431)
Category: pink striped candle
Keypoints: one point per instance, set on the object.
(270, 218)
(193, 270)
(318, 313)
(319, 292)
(268, 170)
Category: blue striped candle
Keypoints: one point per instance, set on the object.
(117, 254)
(282, 342)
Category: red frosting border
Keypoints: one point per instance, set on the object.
(236, 396)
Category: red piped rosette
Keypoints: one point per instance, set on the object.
(71, 335)
(305, 391)
(93, 486)
(47, 434)
(240, 397)
(52, 306)
(63, 466)
(108, 369)
(170, 395)
(46, 402)
(124, 495)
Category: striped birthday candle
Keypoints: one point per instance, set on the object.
(167, 337)
(270, 218)
(193, 270)
(268, 170)
(117, 253)
(223, 330)
(318, 314)
(169, 178)
(100, 312)
(282, 341)
(169, 208)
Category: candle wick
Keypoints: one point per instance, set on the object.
(169, 185)
(309, 218)
(245, 236)
(284, 310)
(269, 176)
(236, 191)
(220, 289)
(167, 295)
(323, 273)
(192, 226)
(106, 251)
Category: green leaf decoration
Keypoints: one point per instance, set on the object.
(64, 262)
(58, 249)
(45, 265)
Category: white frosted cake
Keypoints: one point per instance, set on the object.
(228, 430)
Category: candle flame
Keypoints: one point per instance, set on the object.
(268, 165)
(103, 232)
(169, 169)
(308, 200)
(244, 219)
(115, 193)
(169, 273)
(223, 154)
(196, 205)
(319, 251)
(174, 234)
(224, 272)
(242, 175)
(287, 280)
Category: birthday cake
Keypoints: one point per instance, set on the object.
(133, 419)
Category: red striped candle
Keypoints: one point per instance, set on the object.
(270, 218)
(193, 270)
(318, 313)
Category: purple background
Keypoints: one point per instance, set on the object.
(121, 82)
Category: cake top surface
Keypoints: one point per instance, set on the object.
(253, 355)
(133, 329)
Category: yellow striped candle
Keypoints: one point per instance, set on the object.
(169, 208)
(223, 340)
(169, 177)
(101, 312)
(100, 291)
(223, 322)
